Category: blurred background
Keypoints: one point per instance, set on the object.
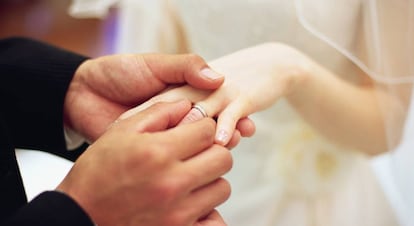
(49, 20)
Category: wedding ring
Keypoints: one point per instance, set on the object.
(201, 110)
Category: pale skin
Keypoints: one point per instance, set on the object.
(143, 170)
(257, 77)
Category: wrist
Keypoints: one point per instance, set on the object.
(299, 76)
(291, 69)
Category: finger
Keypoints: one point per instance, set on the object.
(178, 69)
(212, 219)
(157, 118)
(172, 95)
(228, 119)
(207, 198)
(206, 166)
(234, 141)
(246, 127)
(192, 116)
(188, 140)
(226, 122)
(196, 113)
(210, 107)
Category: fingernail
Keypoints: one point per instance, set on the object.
(192, 116)
(222, 137)
(207, 72)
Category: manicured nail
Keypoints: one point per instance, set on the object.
(192, 116)
(222, 137)
(207, 72)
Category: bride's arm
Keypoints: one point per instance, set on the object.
(344, 112)
(258, 76)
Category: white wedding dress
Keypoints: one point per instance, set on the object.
(287, 174)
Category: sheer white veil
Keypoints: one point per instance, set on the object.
(377, 36)
(380, 41)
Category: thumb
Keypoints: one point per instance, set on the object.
(186, 68)
(158, 117)
(212, 219)
(192, 116)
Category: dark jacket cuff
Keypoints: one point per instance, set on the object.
(34, 79)
(51, 208)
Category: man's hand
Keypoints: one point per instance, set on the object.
(145, 171)
(105, 87)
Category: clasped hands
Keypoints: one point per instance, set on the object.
(146, 170)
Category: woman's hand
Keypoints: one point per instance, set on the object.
(256, 78)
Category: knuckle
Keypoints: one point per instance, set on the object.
(156, 155)
(225, 188)
(221, 191)
(186, 180)
(225, 157)
(194, 59)
(156, 99)
(152, 155)
(166, 191)
(208, 128)
(177, 218)
(158, 104)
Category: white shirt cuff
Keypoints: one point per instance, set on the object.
(73, 139)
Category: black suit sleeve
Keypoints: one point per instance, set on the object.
(50, 209)
(34, 78)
